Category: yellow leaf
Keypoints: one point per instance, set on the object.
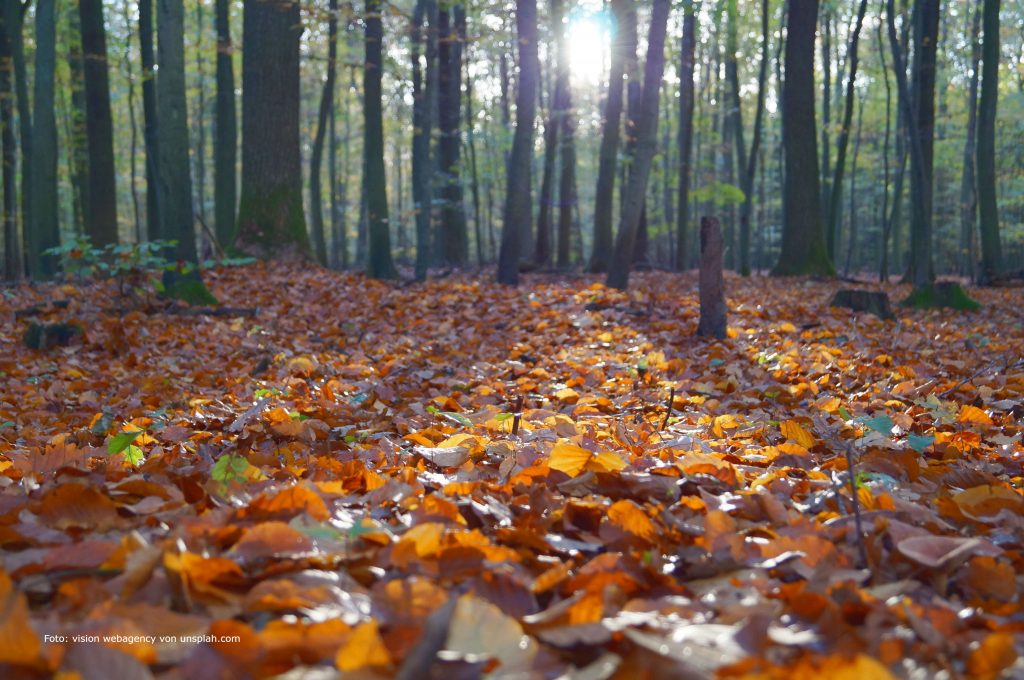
(606, 461)
(973, 414)
(629, 517)
(985, 500)
(787, 327)
(364, 648)
(729, 421)
(19, 644)
(568, 395)
(796, 432)
(569, 458)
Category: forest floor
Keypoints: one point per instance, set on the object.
(454, 478)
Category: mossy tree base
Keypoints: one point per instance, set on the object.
(944, 295)
(271, 225)
(188, 287)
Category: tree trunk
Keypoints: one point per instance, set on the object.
(518, 200)
(149, 114)
(379, 262)
(835, 193)
(852, 245)
(14, 22)
(747, 161)
(225, 143)
(78, 158)
(968, 185)
(140, 235)
(12, 248)
(987, 208)
(316, 207)
(44, 231)
(686, 102)
(199, 126)
(101, 219)
(454, 236)
(826, 109)
(646, 143)
(803, 233)
(883, 261)
(566, 145)
(473, 170)
(545, 211)
(424, 97)
(177, 219)
(271, 222)
(713, 322)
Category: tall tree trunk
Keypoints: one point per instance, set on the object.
(883, 250)
(566, 147)
(988, 210)
(134, 142)
(518, 198)
(78, 155)
(968, 186)
(686, 102)
(340, 233)
(835, 192)
(149, 114)
(379, 262)
(646, 131)
(455, 238)
(609, 153)
(12, 247)
(225, 142)
(271, 222)
(747, 161)
(634, 90)
(44, 231)
(826, 107)
(14, 23)
(803, 232)
(473, 169)
(852, 245)
(177, 218)
(316, 207)
(424, 88)
(199, 126)
(545, 211)
(101, 220)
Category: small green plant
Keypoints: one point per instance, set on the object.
(136, 267)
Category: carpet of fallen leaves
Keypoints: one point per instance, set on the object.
(459, 480)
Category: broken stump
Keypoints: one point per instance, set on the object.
(872, 302)
(46, 335)
(712, 287)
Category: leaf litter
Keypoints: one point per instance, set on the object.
(365, 480)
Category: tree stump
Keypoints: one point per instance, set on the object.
(712, 289)
(44, 336)
(872, 302)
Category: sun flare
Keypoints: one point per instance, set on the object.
(588, 40)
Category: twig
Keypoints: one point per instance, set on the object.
(518, 415)
(978, 374)
(856, 507)
(668, 410)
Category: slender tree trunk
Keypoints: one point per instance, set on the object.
(852, 245)
(566, 141)
(609, 152)
(12, 247)
(987, 208)
(968, 186)
(545, 211)
(634, 90)
(78, 156)
(379, 262)
(518, 200)
(134, 143)
(101, 220)
(826, 108)
(883, 263)
(271, 222)
(340, 233)
(199, 127)
(316, 207)
(835, 192)
(686, 102)
(747, 161)
(455, 238)
(225, 142)
(14, 22)
(424, 94)
(149, 114)
(803, 234)
(44, 230)
(474, 174)
(646, 142)
(175, 179)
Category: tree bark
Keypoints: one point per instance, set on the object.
(271, 222)
(225, 182)
(567, 144)
(803, 233)
(545, 210)
(835, 193)
(149, 114)
(424, 98)
(713, 322)
(12, 247)
(968, 184)
(379, 262)
(14, 22)
(316, 207)
(518, 200)
(988, 210)
(454, 249)
(44, 231)
(686, 102)
(646, 143)
(101, 219)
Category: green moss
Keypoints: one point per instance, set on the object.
(272, 224)
(817, 263)
(942, 295)
(187, 287)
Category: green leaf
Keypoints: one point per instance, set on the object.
(882, 424)
(502, 417)
(920, 442)
(134, 455)
(120, 442)
(229, 468)
(844, 414)
(457, 418)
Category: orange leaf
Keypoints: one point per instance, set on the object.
(632, 519)
(364, 648)
(569, 458)
(994, 655)
(19, 644)
(973, 414)
(796, 432)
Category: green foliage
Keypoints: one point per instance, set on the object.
(122, 441)
(945, 295)
(230, 468)
(721, 194)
